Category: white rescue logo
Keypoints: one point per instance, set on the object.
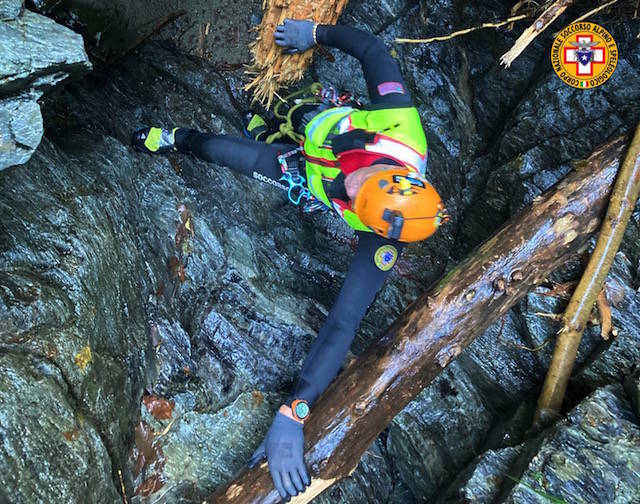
(267, 180)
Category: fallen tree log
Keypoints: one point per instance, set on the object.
(376, 386)
(271, 69)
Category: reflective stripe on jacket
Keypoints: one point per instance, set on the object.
(398, 136)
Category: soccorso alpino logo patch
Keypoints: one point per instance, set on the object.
(584, 55)
(385, 257)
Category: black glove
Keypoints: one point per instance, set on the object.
(295, 35)
(283, 446)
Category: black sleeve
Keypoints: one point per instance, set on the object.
(382, 73)
(362, 283)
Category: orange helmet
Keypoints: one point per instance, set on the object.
(400, 204)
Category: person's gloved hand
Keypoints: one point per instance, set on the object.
(295, 35)
(283, 446)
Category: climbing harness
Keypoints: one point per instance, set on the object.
(331, 96)
(292, 161)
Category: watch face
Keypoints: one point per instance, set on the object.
(302, 410)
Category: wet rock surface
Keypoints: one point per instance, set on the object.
(163, 306)
(9, 9)
(36, 54)
(20, 130)
(592, 456)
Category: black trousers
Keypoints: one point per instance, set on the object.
(243, 155)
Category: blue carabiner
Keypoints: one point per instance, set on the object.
(295, 182)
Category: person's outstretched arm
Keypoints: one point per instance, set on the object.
(284, 443)
(381, 72)
(370, 266)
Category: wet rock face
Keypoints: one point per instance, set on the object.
(20, 130)
(9, 9)
(72, 464)
(36, 54)
(162, 306)
(592, 456)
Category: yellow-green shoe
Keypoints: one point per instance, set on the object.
(255, 127)
(154, 140)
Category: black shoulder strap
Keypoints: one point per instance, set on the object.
(354, 139)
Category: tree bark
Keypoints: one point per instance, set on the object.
(271, 69)
(376, 386)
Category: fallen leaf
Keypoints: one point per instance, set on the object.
(149, 454)
(160, 289)
(143, 439)
(71, 435)
(160, 409)
(156, 339)
(151, 485)
(177, 269)
(137, 468)
(175, 165)
(83, 357)
(258, 398)
(166, 429)
(52, 352)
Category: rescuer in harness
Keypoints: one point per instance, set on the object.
(367, 165)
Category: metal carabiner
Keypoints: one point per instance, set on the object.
(296, 182)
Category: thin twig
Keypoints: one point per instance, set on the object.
(605, 314)
(122, 487)
(578, 312)
(530, 349)
(594, 11)
(166, 429)
(462, 32)
(280, 97)
(554, 316)
(538, 26)
(519, 345)
(140, 40)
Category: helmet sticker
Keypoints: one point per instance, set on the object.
(412, 179)
(385, 257)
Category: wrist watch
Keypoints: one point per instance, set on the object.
(300, 409)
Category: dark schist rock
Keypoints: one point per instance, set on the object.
(9, 9)
(36, 54)
(591, 456)
(20, 129)
(480, 483)
(217, 316)
(49, 451)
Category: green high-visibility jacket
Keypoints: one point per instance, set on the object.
(398, 136)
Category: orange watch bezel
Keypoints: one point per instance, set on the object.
(294, 404)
